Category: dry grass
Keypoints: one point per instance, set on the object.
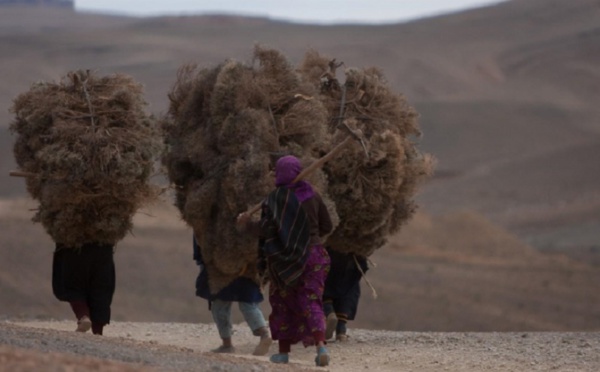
(90, 149)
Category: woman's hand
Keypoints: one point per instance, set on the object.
(242, 221)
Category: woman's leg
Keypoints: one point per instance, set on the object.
(345, 309)
(253, 316)
(314, 283)
(285, 346)
(256, 321)
(331, 319)
(282, 323)
(82, 313)
(70, 277)
(221, 312)
(80, 308)
(312, 289)
(102, 286)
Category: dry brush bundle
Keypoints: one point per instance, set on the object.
(91, 150)
(373, 195)
(225, 126)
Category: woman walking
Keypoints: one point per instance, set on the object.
(85, 278)
(246, 293)
(294, 219)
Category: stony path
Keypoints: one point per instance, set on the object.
(186, 347)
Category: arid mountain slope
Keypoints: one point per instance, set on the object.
(453, 273)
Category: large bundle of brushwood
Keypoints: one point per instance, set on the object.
(89, 150)
(373, 185)
(224, 127)
(228, 123)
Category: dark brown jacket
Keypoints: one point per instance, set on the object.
(320, 221)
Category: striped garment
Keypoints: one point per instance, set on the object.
(287, 237)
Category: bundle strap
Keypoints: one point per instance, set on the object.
(364, 275)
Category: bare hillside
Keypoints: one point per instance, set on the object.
(503, 90)
(454, 273)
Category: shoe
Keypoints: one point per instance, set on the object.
(280, 358)
(224, 349)
(341, 337)
(263, 346)
(84, 324)
(322, 358)
(330, 325)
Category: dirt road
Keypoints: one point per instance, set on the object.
(29, 345)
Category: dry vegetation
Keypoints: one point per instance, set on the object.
(227, 124)
(88, 149)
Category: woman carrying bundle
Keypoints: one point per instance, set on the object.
(293, 220)
(342, 291)
(246, 293)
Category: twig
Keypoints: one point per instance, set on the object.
(342, 105)
(311, 168)
(373, 291)
(21, 174)
(273, 118)
(89, 102)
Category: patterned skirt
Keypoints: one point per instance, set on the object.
(297, 312)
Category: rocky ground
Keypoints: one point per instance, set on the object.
(128, 346)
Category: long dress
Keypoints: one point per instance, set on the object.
(85, 274)
(291, 231)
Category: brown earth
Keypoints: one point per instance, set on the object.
(507, 235)
(52, 345)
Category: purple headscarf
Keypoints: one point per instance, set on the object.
(287, 169)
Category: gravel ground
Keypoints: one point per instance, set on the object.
(126, 346)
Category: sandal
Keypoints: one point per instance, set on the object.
(322, 358)
(280, 358)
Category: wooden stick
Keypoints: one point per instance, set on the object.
(364, 275)
(311, 168)
(21, 174)
(321, 161)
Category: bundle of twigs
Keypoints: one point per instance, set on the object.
(374, 194)
(228, 123)
(225, 126)
(89, 150)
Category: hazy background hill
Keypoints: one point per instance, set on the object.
(507, 237)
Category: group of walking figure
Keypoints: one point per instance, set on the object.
(314, 290)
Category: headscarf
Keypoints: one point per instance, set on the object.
(287, 169)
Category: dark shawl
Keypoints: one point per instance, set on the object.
(287, 236)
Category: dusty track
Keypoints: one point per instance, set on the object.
(184, 347)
